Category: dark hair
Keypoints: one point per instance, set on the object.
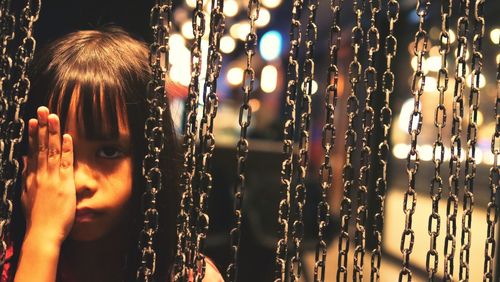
(110, 66)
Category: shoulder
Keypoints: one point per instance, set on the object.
(212, 274)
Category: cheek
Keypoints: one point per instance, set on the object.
(121, 185)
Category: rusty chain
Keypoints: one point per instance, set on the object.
(388, 80)
(492, 208)
(414, 129)
(185, 231)
(456, 141)
(438, 150)
(311, 36)
(242, 145)
(7, 25)
(207, 138)
(17, 88)
(472, 129)
(367, 125)
(350, 141)
(328, 141)
(160, 20)
(288, 140)
(7, 21)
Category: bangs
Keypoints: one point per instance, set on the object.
(99, 108)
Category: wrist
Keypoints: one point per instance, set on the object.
(45, 237)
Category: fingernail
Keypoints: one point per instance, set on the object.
(42, 116)
(52, 124)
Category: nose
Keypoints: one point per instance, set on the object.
(85, 181)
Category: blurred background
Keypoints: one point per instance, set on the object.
(259, 234)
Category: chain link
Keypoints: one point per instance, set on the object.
(7, 21)
(18, 84)
(186, 240)
(288, 137)
(351, 140)
(7, 26)
(414, 129)
(456, 142)
(388, 80)
(311, 36)
(472, 128)
(160, 20)
(492, 208)
(367, 125)
(328, 141)
(207, 138)
(438, 150)
(242, 145)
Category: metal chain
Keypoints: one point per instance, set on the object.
(242, 145)
(414, 129)
(207, 138)
(367, 125)
(472, 128)
(186, 240)
(7, 26)
(492, 209)
(456, 142)
(351, 140)
(14, 124)
(304, 125)
(438, 150)
(7, 22)
(388, 80)
(288, 138)
(328, 141)
(160, 20)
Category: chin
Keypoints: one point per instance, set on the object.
(86, 231)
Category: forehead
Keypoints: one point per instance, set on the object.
(93, 114)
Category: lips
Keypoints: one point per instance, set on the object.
(85, 215)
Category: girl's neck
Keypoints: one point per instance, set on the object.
(88, 261)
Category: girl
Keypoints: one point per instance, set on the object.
(82, 182)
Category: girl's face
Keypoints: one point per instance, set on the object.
(103, 180)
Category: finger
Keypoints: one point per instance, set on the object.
(54, 153)
(32, 141)
(66, 168)
(43, 113)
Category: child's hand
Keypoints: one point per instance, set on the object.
(49, 197)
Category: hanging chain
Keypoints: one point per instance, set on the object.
(186, 240)
(414, 129)
(436, 185)
(153, 132)
(350, 139)
(242, 145)
(328, 141)
(472, 128)
(388, 80)
(207, 138)
(7, 26)
(492, 209)
(370, 78)
(456, 143)
(7, 21)
(304, 124)
(16, 100)
(288, 137)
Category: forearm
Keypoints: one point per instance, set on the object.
(38, 260)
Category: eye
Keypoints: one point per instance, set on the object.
(109, 152)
